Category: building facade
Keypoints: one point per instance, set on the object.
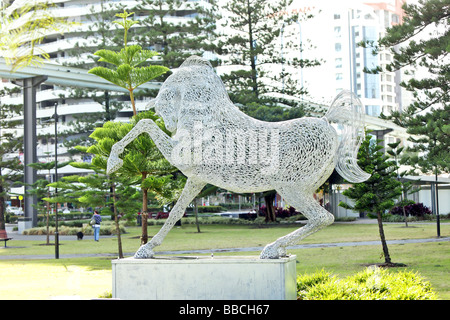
(75, 48)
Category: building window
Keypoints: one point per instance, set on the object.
(337, 47)
(338, 76)
(337, 16)
(338, 62)
(373, 110)
(337, 32)
(395, 19)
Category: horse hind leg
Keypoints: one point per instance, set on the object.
(190, 191)
(317, 216)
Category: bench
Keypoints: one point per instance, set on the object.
(4, 236)
(5, 239)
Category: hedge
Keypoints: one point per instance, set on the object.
(108, 228)
(373, 283)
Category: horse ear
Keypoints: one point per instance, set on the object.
(195, 61)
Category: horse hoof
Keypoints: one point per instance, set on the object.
(114, 164)
(144, 253)
(272, 251)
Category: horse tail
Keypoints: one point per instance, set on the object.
(347, 111)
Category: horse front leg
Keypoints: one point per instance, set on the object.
(162, 141)
(190, 191)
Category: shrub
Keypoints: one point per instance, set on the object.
(280, 212)
(162, 215)
(415, 210)
(70, 223)
(65, 216)
(307, 281)
(106, 295)
(235, 206)
(203, 209)
(371, 284)
(107, 228)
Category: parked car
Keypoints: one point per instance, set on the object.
(15, 210)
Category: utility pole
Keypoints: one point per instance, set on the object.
(56, 180)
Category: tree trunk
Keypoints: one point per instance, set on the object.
(196, 215)
(116, 220)
(270, 212)
(387, 258)
(252, 50)
(438, 223)
(48, 219)
(2, 209)
(132, 102)
(404, 215)
(144, 237)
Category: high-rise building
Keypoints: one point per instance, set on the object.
(86, 36)
(335, 34)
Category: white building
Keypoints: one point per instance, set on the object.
(57, 91)
(58, 46)
(334, 32)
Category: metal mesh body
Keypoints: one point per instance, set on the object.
(214, 142)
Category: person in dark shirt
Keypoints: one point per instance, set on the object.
(98, 219)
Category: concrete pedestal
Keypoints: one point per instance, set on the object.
(205, 278)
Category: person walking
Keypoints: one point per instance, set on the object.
(97, 220)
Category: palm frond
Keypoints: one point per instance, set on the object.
(142, 56)
(144, 74)
(109, 75)
(109, 56)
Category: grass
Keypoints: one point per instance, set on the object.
(228, 236)
(46, 279)
(74, 277)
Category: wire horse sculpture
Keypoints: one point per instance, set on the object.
(214, 142)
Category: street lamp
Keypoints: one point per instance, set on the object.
(56, 180)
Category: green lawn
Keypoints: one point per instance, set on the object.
(74, 277)
(228, 236)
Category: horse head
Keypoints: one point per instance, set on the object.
(166, 105)
(193, 89)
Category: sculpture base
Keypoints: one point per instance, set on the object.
(205, 278)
